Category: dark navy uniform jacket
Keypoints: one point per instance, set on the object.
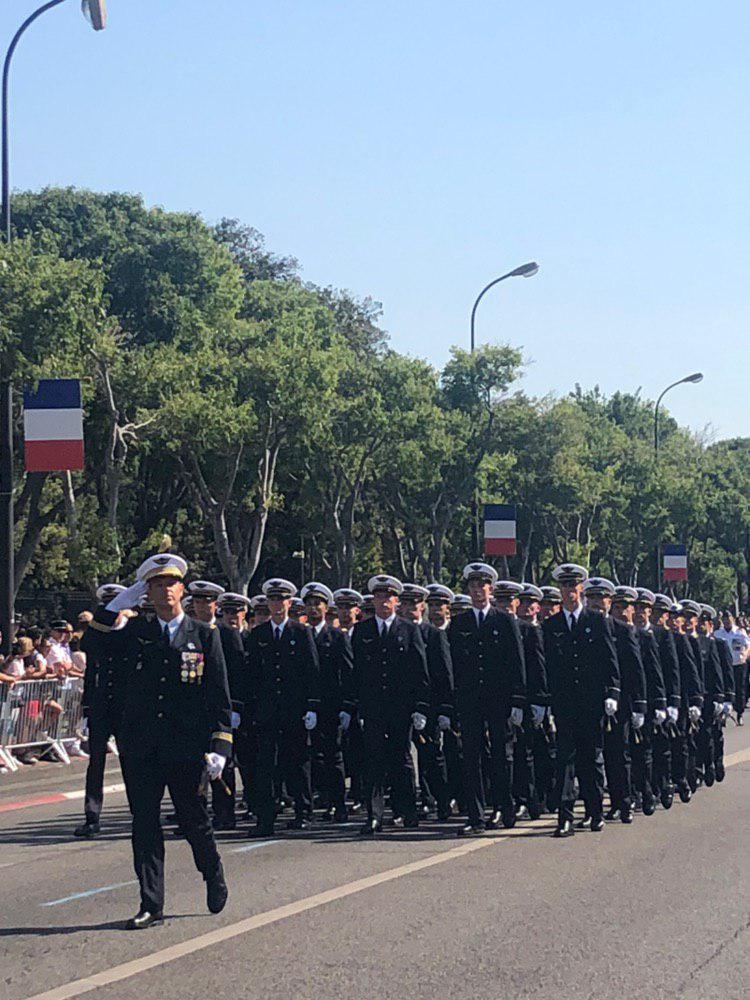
(439, 667)
(582, 667)
(488, 663)
(285, 674)
(390, 677)
(175, 697)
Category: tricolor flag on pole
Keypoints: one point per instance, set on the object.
(499, 529)
(675, 562)
(53, 426)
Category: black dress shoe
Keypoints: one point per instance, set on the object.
(564, 829)
(597, 824)
(370, 828)
(522, 812)
(667, 797)
(262, 830)
(224, 824)
(720, 771)
(626, 814)
(535, 810)
(444, 814)
(509, 818)
(411, 823)
(471, 830)
(649, 805)
(683, 790)
(299, 823)
(709, 776)
(340, 815)
(216, 891)
(613, 814)
(87, 830)
(584, 824)
(144, 919)
(495, 820)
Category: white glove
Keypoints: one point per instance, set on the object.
(537, 714)
(673, 713)
(419, 721)
(344, 720)
(214, 765)
(661, 716)
(727, 707)
(311, 720)
(516, 716)
(637, 719)
(129, 598)
(694, 712)
(443, 723)
(610, 706)
(718, 709)
(235, 720)
(84, 727)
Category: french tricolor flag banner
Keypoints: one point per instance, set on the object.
(675, 562)
(53, 426)
(499, 529)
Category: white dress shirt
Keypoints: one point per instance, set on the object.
(172, 625)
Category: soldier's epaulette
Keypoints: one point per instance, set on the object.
(222, 736)
(99, 627)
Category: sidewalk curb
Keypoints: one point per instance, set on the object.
(45, 800)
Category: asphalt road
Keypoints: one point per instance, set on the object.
(660, 909)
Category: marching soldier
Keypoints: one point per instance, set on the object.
(204, 597)
(584, 681)
(101, 706)
(259, 608)
(683, 745)
(392, 689)
(285, 685)
(336, 698)
(537, 716)
(670, 667)
(656, 697)
(175, 724)
(713, 692)
(632, 717)
(725, 656)
(439, 600)
(367, 610)
(349, 602)
(550, 603)
(739, 646)
(235, 640)
(460, 603)
(433, 771)
(490, 687)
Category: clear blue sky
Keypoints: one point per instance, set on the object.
(412, 151)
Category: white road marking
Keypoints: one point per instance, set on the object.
(127, 969)
(90, 892)
(253, 847)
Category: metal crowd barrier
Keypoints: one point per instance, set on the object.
(41, 713)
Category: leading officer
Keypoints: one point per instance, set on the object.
(174, 726)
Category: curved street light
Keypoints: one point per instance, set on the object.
(95, 12)
(524, 271)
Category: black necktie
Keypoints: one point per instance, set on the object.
(481, 617)
(165, 637)
(573, 624)
(277, 633)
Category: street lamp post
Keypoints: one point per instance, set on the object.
(524, 271)
(95, 12)
(694, 378)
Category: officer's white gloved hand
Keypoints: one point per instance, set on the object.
(694, 712)
(214, 765)
(419, 721)
(516, 716)
(84, 727)
(537, 714)
(129, 598)
(443, 723)
(718, 709)
(637, 719)
(235, 720)
(661, 716)
(610, 706)
(344, 720)
(311, 720)
(727, 708)
(673, 713)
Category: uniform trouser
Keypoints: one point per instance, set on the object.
(246, 754)
(579, 753)
(387, 746)
(328, 759)
(683, 752)
(524, 766)
(545, 754)
(285, 745)
(354, 759)
(145, 780)
(704, 741)
(662, 756)
(474, 726)
(617, 764)
(433, 771)
(222, 796)
(642, 756)
(719, 743)
(453, 751)
(740, 689)
(101, 729)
